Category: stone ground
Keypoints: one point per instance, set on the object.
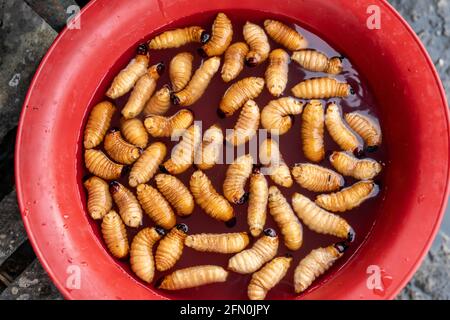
(28, 27)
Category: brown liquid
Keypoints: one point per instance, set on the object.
(361, 219)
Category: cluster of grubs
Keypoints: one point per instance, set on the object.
(129, 147)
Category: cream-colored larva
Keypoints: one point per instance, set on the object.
(246, 125)
(277, 115)
(277, 72)
(348, 165)
(316, 178)
(312, 131)
(270, 157)
(211, 148)
(258, 42)
(236, 177)
(316, 61)
(257, 203)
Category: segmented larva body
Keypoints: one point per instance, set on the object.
(316, 178)
(285, 218)
(178, 195)
(115, 235)
(316, 61)
(339, 131)
(246, 125)
(98, 124)
(277, 72)
(239, 93)
(270, 157)
(99, 200)
(319, 220)
(348, 198)
(193, 277)
(120, 150)
(211, 148)
(180, 70)
(178, 37)
(284, 35)
(221, 35)
(141, 253)
(159, 103)
(160, 126)
(257, 203)
(147, 164)
(128, 76)
(129, 208)
(170, 248)
(234, 60)
(134, 132)
(101, 166)
(208, 199)
(198, 83)
(142, 91)
(258, 42)
(368, 128)
(349, 165)
(182, 155)
(277, 115)
(321, 88)
(236, 177)
(252, 259)
(155, 206)
(218, 242)
(313, 123)
(268, 277)
(315, 264)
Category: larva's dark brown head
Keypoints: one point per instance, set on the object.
(160, 231)
(174, 98)
(204, 37)
(342, 58)
(341, 247)
(159, 281)
(114, 187)
(288, 255)
(142, 49)
(371, 149)
(231, 223)
(114, 129)
(85, 178)
(352, 91)
(125, 170)
(160, 67)
(251, 62)
(270, 232)
(182, 227)
(351, 235)
(243, 199)
(202, 53)
(257, 168)
(358, 152)
(163, 169)
(221, 114)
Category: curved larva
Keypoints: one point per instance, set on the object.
(348, 198)
(252, 259)
(193, 277)
(178, 195)
(101, 166)
(319, 220)
(170, 248)
(212, 144)
(183, 153)
(115, 235)
(236, 177)
(315, 264)
(142, 91)
(155, 206)
(99, 199)
(246, 125)
(368, 128)
(277, 115)
(198, 83)
(321, 88)
(129, 208)
(316, 61)
(239, 93)
(134, 132)
(128, 76)
(285, 218)
(160, 126)
(277, 72)
(313, 123)
(316, 178)
(178, 37)
(141, 253)
(218, 242)
(257, 203)
(159, 103)
(120, 150)
(284, 35)
(234, 60)
(98, 124)
(258, 42)
(221, 35)
(271, 158)
(268, 277)
(147, 164)
(208, 199)
(180, 70)
(349, 165)
(340, 131)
